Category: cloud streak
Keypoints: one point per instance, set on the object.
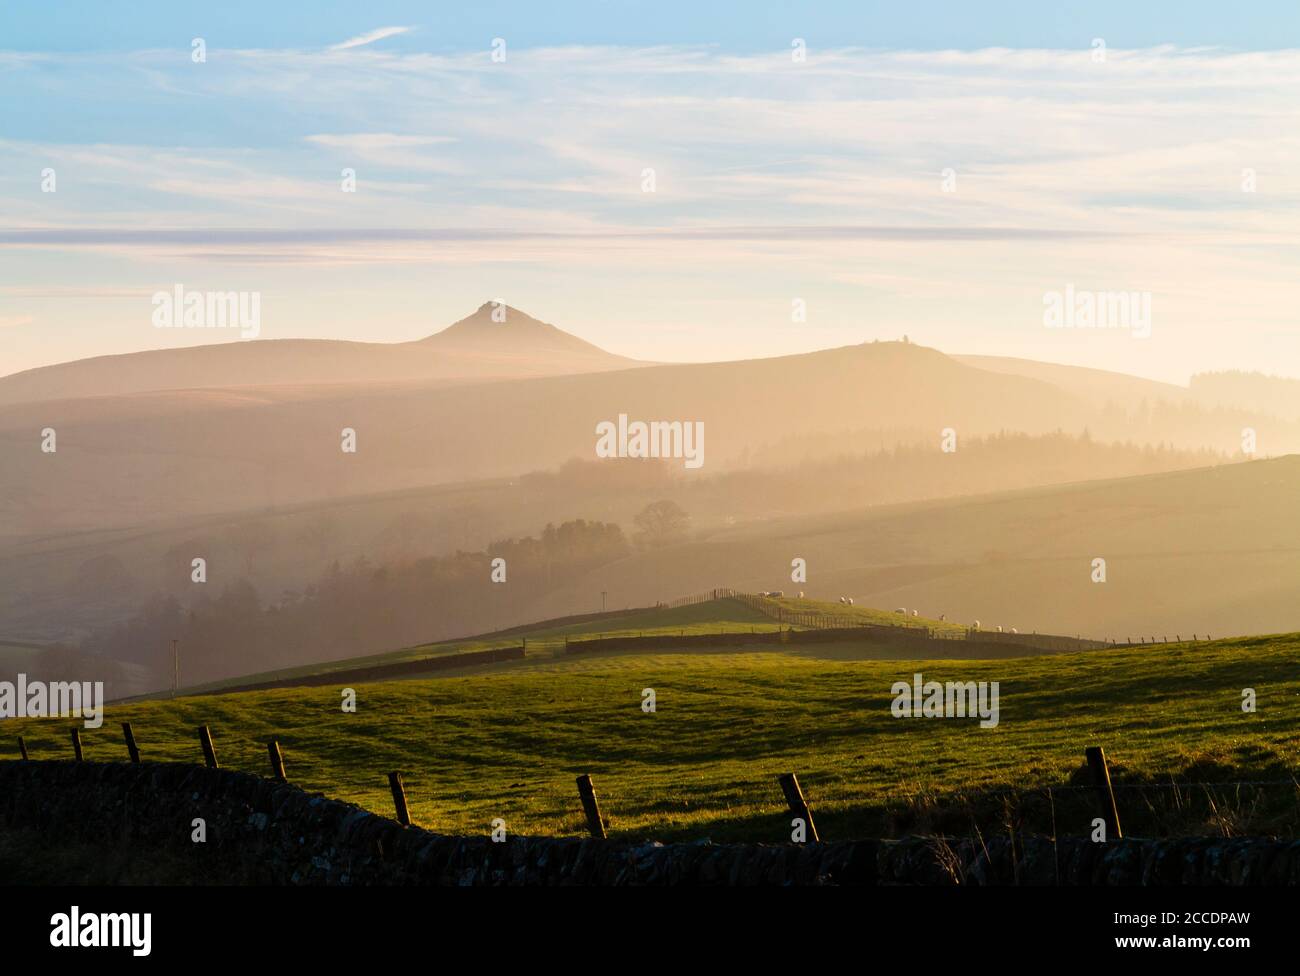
(361, 40)
(262, 237)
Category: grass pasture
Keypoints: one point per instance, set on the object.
(508, 741)
(712, 617)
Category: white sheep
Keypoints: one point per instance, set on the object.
(843, 600)
(999, 628)
(801, 594)
(943, 616)
(1014, 631)
(902, 610)
(850, 601)
(977, 625)
(916, 613)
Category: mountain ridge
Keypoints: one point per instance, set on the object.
(467, 349)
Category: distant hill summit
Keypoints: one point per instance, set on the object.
(476, 347)
(496, 325)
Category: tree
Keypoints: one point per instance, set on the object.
(251, 539)
(319, 534)
(661, 523)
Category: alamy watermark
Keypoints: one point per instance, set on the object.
(952, 699)
(181, 309)
(54, 699)
(1078, 309)
(655, 439)
(77, 930)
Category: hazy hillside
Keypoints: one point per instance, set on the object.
(133, 459)
(1096, 386)
(1244, 394)
(1277, 395)
(60, 586)
(253, 477)
(476, 347)
(1211, 550)
(1215, 549)
(139, 458)
(65, 585)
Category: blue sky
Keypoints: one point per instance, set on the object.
(931, 169)
(115, 25)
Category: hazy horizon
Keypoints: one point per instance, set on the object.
(955, 353)
(825, 180)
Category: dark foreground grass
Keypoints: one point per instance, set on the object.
(28, 857)
(508, 744)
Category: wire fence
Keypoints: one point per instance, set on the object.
(938, 812)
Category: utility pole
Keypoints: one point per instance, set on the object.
(176, 667)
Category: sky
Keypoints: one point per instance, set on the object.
(671, 181)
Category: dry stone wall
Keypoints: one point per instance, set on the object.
(261, 831)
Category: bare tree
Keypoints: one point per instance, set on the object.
(661, 523)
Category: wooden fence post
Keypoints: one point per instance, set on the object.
(590, 807)
(277, 760)
(22, 748)
(130, 742)
(1105, 794)
(76, 743)
(399, 798)
(205, 740)
(798, 805)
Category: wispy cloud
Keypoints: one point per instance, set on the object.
(130, 236)
(1160, 169)
(369, 38)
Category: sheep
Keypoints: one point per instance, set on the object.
(777, 593)
(850, 601)
(977, 625)
(916, 613)
(943, 616)
(999, 628)
(843, 600)
(902, 610)
(801, 594)
(1014, 631)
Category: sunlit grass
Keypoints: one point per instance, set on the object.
(508, 743)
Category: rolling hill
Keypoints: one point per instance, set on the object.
(63, 585)
(476, 347)
(506, 742)
(1212, 550)
(252, 475)
(1096, 386)
(258, 425)
(148, 456)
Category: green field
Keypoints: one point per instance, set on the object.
(546, 638)
(507, 741)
